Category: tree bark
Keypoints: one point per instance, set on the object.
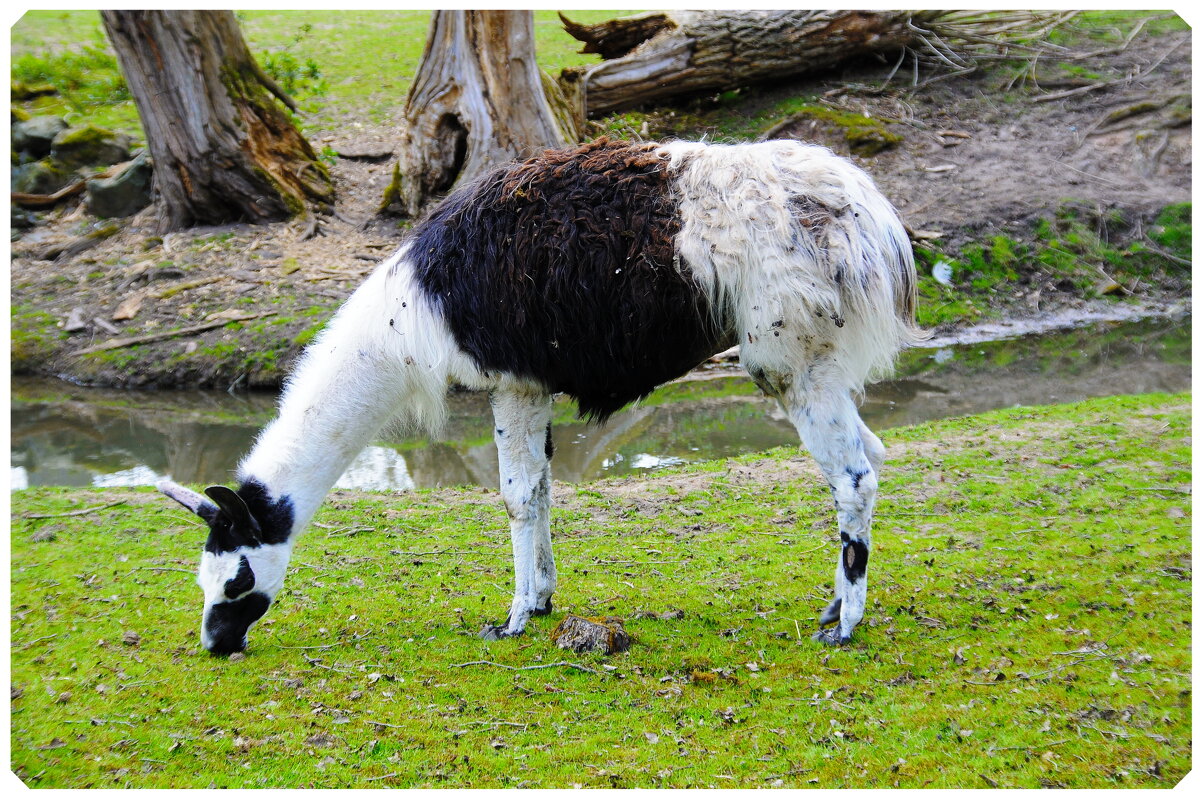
(222, 149)
(653, 56)
(478, 100)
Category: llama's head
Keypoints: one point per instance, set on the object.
(243, 563)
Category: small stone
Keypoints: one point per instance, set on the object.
(129, 307)
(123, 194)
(237, 656)
(131, 639)
(89, 146)
(35, 135)
(366, 152)
(75, 322)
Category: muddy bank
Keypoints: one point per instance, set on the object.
(989, 177)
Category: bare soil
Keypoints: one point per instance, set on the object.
(977, 159)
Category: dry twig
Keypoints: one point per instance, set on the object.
(527, 667)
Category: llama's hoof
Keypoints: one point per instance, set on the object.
(831, 614)
(549, 608)
(830, 637)
(496, 632)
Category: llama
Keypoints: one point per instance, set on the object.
(599, 271)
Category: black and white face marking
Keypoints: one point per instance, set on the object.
(239, 587)
(226, 625)
(244, 560)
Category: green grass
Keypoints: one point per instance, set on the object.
(1028, 626)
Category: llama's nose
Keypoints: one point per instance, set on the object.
(226, 645)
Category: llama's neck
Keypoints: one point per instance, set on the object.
(323, 424)
(385, 355)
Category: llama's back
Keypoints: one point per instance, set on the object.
(603, 271)
(562, 270)
(805, 254)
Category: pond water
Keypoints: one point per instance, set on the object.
(67, 435)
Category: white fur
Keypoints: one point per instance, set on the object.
(767, 229)
(522, 414)
(386, 356)
(741, 238)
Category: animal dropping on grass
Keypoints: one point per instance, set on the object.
(606, 635)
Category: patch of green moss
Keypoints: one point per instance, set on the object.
(305, 337)
(1172, 230)
(34, 337)
(86, 136)
(866, 135)
(393, 195)
(990, 265)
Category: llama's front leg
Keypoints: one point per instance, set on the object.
(831, 429)
(524, 447)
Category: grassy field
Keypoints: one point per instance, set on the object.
(1028, 626)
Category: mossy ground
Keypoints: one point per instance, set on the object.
(1028, 626)
(1077, 251)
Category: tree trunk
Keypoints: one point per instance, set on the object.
(663, 55)
(223, 149)
(478, 100)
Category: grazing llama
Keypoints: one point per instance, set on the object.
(599, 271)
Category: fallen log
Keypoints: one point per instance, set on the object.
(649, 57)
(652, 56)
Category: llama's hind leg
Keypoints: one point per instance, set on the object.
(829, 425)
(524, 449)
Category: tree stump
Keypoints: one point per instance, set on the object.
(478, 100)
(223, 149)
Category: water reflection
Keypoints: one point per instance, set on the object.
(63, 435)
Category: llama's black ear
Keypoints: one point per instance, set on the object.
(233, 507)
(190, 499)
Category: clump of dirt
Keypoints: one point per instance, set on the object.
(975, 159)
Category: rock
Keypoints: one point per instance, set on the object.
(35, 135)
(24, 91)
(75, 322)
(21, 219)
(606, 635)
(129, 307)
(41, 177)
(124, 194)
(89, 146)
(377, 151)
